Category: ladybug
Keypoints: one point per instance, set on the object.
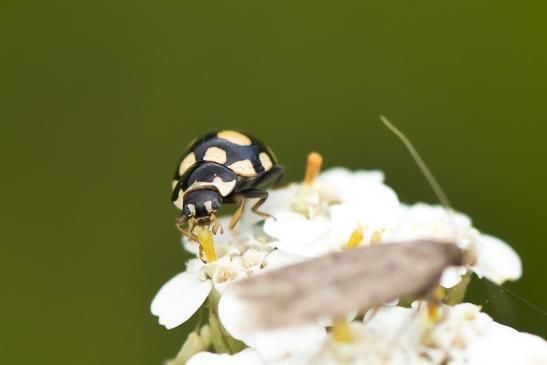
(222, 167)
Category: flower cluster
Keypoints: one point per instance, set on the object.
(339, 210)
(396, 335)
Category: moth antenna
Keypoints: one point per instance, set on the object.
(439, 192)
(437, 189)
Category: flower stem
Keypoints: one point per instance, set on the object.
(456, 294)
(197, 341)
(221, 340)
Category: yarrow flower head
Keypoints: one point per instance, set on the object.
(333, 211)
(488, 256)
(349, 201)
(397, 335)
(237, 256)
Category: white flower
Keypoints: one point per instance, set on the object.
(495, 260)
(338, 210)
(184, 294)
(339, 202)
(461, 336)
(245, 357)
(296, 344)
(179, 299)
(400, 336)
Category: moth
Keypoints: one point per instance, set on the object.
(339, 283)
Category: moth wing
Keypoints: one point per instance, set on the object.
(338, 283)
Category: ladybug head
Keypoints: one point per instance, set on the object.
(202, 205)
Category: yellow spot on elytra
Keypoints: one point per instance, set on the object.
(355, 238)
(243, 168)
(265, 160)
(341, 331)
(313, 167)
(224, 187)
(235, 137)
(215, 154)
(205, 240)
(179, 202)
(188, 161)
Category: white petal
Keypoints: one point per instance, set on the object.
(300, 343)
(433, 222)
(497, 260)
(293, 230)
(279, 258)
(196, 267)
(245, 357)
(279, 200)
(270, 344)
(320, 246)
(189, 246)
(502, 345)
(232, 315)
(452, 276)
(254, 258)
(348, 183)
(388, 320)
(179, 299)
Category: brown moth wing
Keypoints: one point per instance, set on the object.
(341, 282)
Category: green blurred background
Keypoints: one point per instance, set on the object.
(98, 100)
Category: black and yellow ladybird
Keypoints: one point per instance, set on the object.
(222, 167)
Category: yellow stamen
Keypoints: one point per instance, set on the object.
(313, 168)
(433, 305)
(341, 331)
(205, 240)
(355, 239)
(432, 311)
(375, 238)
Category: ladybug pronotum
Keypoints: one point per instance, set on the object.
(222, 167)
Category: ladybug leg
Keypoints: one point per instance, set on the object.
(262, 195)
(239, 199)
(186, 232)
(215, 224)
